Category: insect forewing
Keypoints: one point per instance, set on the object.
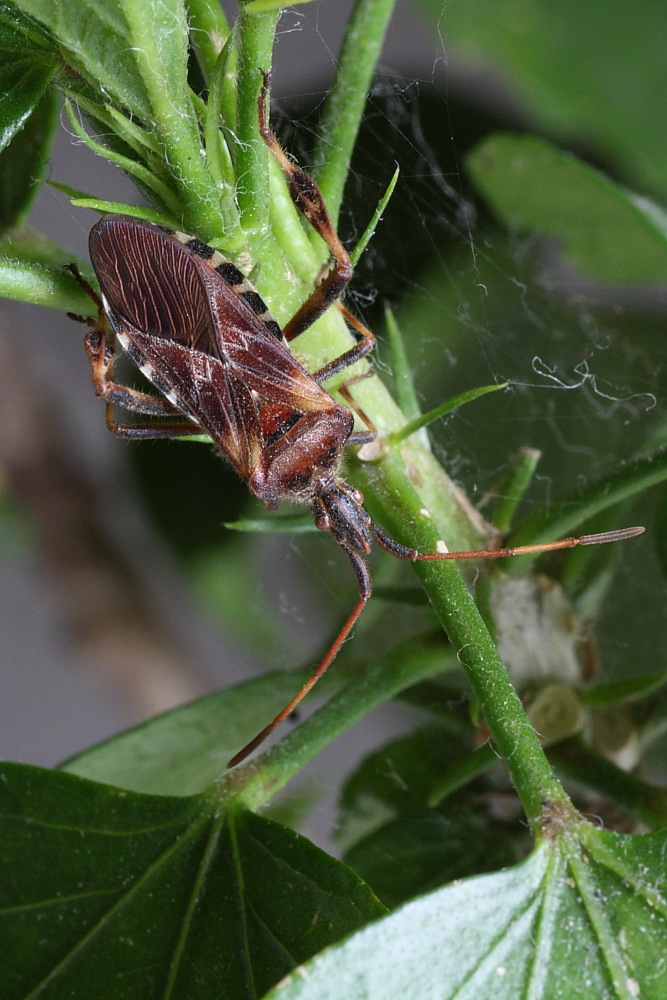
(198, 338)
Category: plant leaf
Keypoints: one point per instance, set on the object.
(570, 86)
(26, 66)
(397, 780)
(23, 162)
(27, 281)
(98, 44)
(628, 689)
(414, 854)
(440, 411)
(368, 232)
(183, 751)
(581, 917)
(109, 894)
(625, 481)
(606, 230)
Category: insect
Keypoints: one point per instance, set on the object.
(205, 339)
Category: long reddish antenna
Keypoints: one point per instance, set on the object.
(602, 537)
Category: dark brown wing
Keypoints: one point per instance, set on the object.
(155, 285)
(150, 281)
(219, 360)
(261, 360)
(211, 393)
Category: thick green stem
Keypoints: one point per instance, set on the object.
(255, 33)
(208, 31)
(44, 286)
(509, 728)
(347, 100)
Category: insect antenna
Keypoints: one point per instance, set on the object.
(403, 552)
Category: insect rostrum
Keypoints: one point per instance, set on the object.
(205, 339)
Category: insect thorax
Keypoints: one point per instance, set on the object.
(305, 461)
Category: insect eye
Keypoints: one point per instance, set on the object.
(322, 522)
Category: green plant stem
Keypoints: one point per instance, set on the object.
(43, 286)
(347, 99)
(580, 762)
(174, 117)
(208, 31)
(255, 32)
(510, 730)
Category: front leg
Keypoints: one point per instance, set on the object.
(101, 351)
(100, 344)
(308, 199)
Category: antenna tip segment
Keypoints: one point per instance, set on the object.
(620, 535)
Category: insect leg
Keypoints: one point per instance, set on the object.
(148, 432)
(100, 347)
(308, 199)
(358, 437)
(364, 583)
(88, 289)
(356, 353)
(101, 350)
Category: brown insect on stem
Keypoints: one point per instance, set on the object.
(204, 337)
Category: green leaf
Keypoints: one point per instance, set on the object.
(109, 894)
(592, 769)
(82, 200)
(26, 66)
(440, 411)
(559, 520)
(397, 780)
(628, 689)
(208, 31)
(26, 281)
(32, 247)
(23, 162)
(367, 234)
(141, 173)
(582, 917)
(97, 43)
(606, 230)
(183, 751)
(290, 523)
(406, 393)
(260, 6)
(412, 855)
(592, 72)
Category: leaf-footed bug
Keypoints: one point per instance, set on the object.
(203, 336)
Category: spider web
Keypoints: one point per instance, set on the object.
(476, 304)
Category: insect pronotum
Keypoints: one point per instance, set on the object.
(202, 335)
